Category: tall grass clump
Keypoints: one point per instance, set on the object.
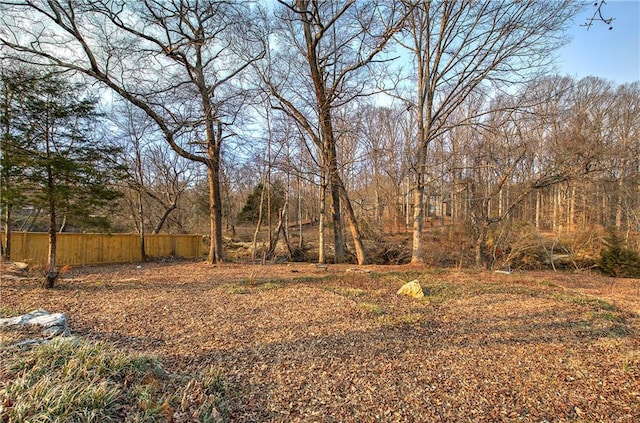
(81, 381)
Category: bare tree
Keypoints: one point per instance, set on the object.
(626, 133)
(181, 62)
(382, 164)
(134, 130)
(169, 176)
(319, 62)
(598, 16)
(461, 47)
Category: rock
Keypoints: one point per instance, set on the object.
(50, 324)
(20, 266)
(412, 289)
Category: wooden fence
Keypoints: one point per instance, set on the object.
(84, 249)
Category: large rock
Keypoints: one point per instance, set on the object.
(20, 266)
(412, 289)
(49, 325)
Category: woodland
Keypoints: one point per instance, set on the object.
(342, 131)
(354, 147)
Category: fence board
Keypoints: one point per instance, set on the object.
(84, 249)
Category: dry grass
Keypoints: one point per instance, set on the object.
(72, 380)
(297, 343)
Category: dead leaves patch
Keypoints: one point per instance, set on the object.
(336, 346)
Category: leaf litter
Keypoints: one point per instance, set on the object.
(298, 344)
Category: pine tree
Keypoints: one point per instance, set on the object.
(67, 171)
(618, 261)
(251, 208)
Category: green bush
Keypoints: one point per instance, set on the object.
(618, 261)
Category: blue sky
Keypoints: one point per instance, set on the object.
(610, 54)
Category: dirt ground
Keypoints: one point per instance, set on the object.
(302, 343)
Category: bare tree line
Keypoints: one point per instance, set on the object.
(386, 116)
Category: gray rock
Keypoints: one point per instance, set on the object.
(51, 325)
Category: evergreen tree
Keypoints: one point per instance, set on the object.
(618, 261)
(67, 170)
(251, 209)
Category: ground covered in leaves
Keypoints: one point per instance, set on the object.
(302, 343)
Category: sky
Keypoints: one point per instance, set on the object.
(611, 54)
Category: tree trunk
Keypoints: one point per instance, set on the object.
(63, 225)
(5, 181)
(323, 205)
(377, 207)
(143, 250)
(571, 218)
(353, 226)
(215, 215)
(555, 195)
(407, 205)
(52, 273)
(6, 246)
(258, 225)
(267, 184)
(538, 206)
(479, 244)
(213, 133)
(279, 228)
(27, 228)
(417, 253)
(619, 198)
(336, 216)
(327, 137)
(605, 209)
(417, 250)
(285, 210)
(165, 215)
(425, 102)
(301, 239)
